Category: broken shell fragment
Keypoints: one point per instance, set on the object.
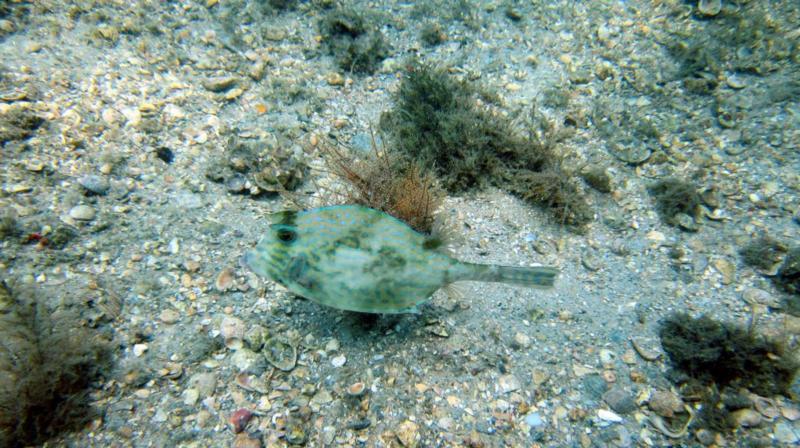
(280, 354)
(356, 389)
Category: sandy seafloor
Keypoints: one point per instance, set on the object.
(116, 84)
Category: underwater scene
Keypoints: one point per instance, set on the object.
(439, 223)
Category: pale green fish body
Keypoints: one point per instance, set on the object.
(360, 259)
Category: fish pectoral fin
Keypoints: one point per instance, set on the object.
(298, 271)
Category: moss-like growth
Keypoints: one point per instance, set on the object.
(431, 34)
(763, 253)
(48, 362)
(437, 122)
(676, 198)
(8, 224)
(353, 39)
(788, 277)
(18, 123)
(726, 355)
(386, 183)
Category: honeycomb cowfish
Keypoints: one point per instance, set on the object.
(360, 259)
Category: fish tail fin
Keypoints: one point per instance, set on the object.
(532, 277)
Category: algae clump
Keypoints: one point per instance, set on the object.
(447, 124)
(48, 362)
(726, 355)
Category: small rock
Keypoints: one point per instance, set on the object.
(224, 280)
(221, 84)
(521, 340)
(190, 396)
(338, 361)
(709, 7)
(295, 434)
(755, 296)
(231, 329)
(248, 361)
(786, 434)
(534, 420)
(727, 269)
(332, 346)
(705, 437)
(82, 213)
(620, 401)
(746, 418)
(665, 403)
(321, 398)
(608, 416)
(790, 413)
(95, 184)
(408, 434)
(244, 440)
(239, 419)
(139, 349)
(205, 383)
(169, 316)
(508, 383)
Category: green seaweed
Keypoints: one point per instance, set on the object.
(726, 355)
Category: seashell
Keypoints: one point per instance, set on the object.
(280, 354)
(251, 383)
(356, 389)
(709, 7)
(632, 154)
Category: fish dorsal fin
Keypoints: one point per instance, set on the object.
(286, 217)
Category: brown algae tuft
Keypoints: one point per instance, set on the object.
(726, 355)
(437, 122)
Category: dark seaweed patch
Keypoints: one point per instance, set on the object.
(48, 363)
(726, 355)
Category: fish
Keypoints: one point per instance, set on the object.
(356, 258)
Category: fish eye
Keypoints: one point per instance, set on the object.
(286, 235)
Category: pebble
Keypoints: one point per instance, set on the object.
(746, 418)
(295, 434)
(232, 329)
(727, 269)
(239, 419)
(709, 7)
(508, 383)
(95, 184)
(321, 398)
(248, 361)
(221, 84)
(665, 403)
(619, 400)
(534, 420)
(190, 396)
(408, 434)
(169, 316)
(139, 349)
(205, 383)
(786, 434)
(82, 213)
(608, 416)
(244, 440)
(224, 280)
(521, 340)
(338, 361)
(332, 346)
